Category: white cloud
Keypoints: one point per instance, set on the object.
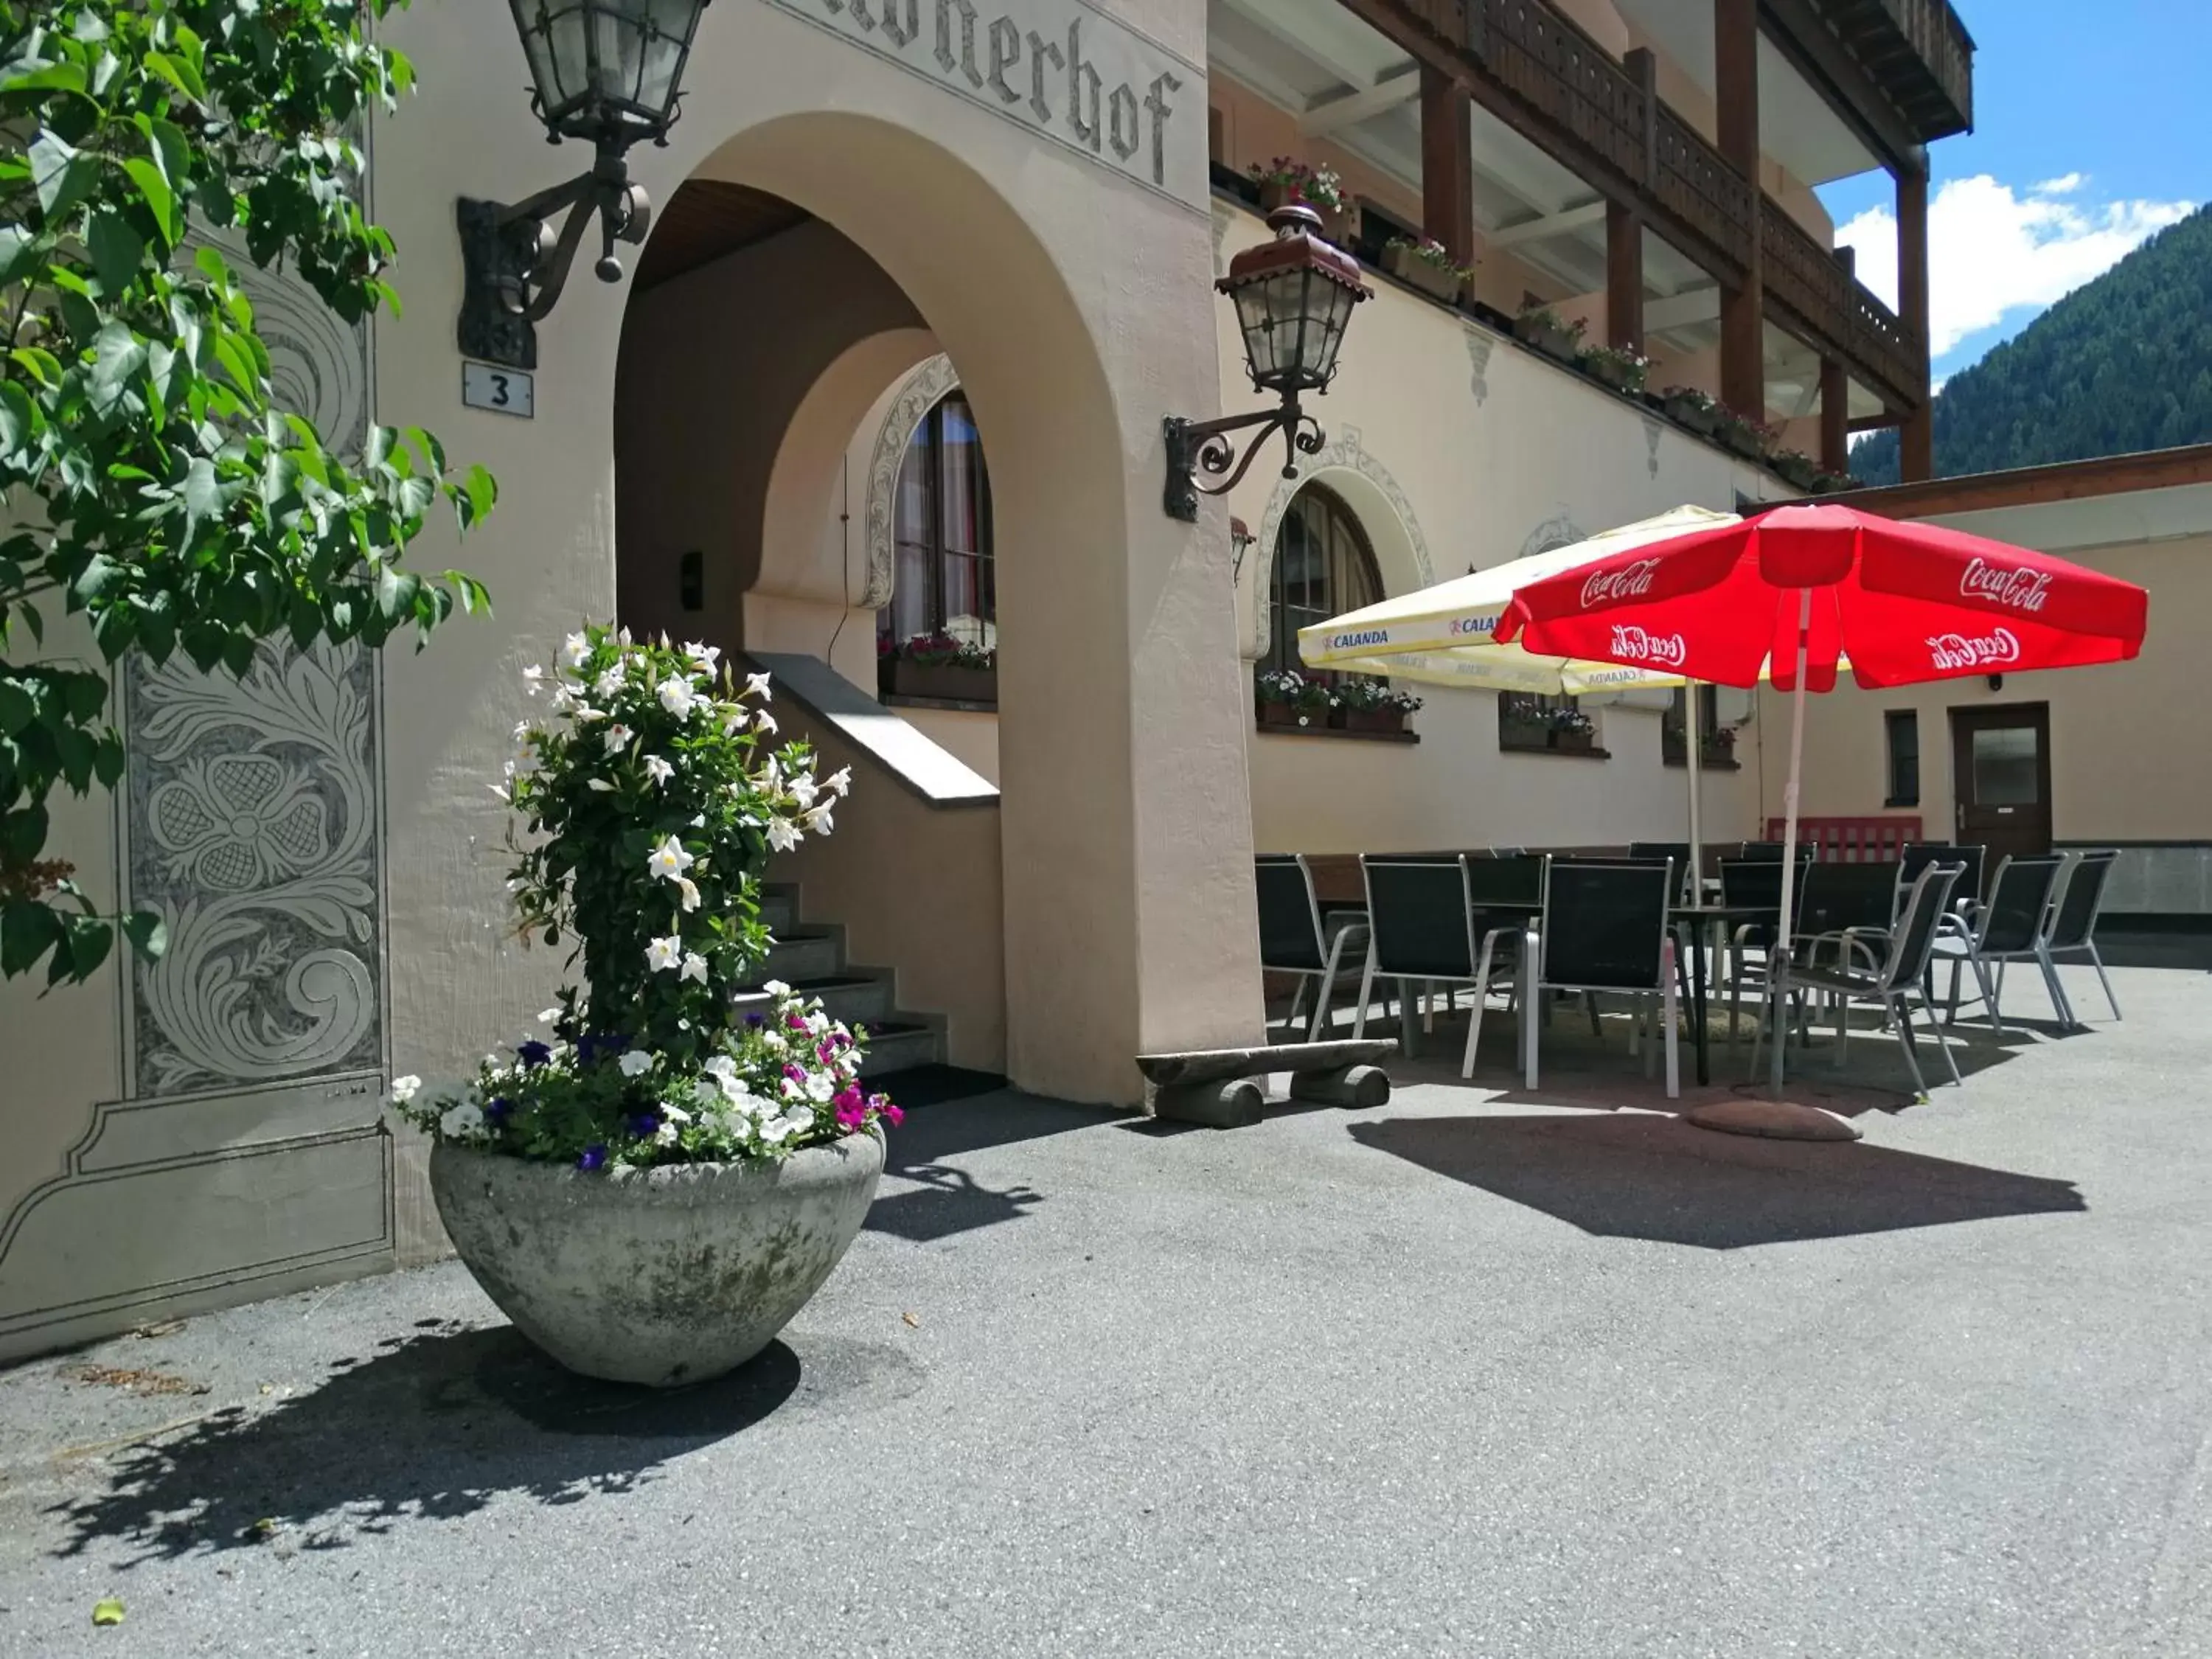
(1992, 251)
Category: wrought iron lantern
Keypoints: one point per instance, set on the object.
(1294, 297)
(605, 72)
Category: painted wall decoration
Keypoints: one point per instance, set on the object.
(924, 389)
(253, 831)
(1480, 343)
(1343, 454)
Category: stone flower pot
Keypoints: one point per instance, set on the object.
(666, 1276)
(1562, 344)
(1373, 719)
(1438, 281)
(939, 682)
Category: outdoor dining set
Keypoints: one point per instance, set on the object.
(1530, 926)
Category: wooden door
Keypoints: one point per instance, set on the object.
(2001, 771)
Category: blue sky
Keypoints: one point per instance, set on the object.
(2092, 131)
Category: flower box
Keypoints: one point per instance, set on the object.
(1799, 470)
(940, 682)
(1568, 741)
(1620, 376)
(1338, 224)
(1371, 720)
(1279, 713)
(1407, 266)
(1553, 341)
(1698, 416)
(1744, 438)
(1523, 734)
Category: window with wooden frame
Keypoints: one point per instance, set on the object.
(1323, 567)
(945, 573)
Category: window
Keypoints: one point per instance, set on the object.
(1716, 743)
(1537, 720)
(944, 577)
(1322, 569)
(1903, 728)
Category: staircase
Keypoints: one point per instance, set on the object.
(811, 959)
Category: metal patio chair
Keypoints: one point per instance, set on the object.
(1421, 929)
(2014, 925)
(1889, 980)
(1293, 940)
(1605, 928)
(2074, 928)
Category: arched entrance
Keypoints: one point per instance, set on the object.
(1074, 301)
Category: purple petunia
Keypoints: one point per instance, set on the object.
(496, 1111)
(644, 1123)
(755, 1021)
(533, 1053)
(594, 1156)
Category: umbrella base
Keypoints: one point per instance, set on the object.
(1774, 1120)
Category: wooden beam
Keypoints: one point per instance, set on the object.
(1624, 278)
(1447, 162)
(1835, 416)
(1844, 84)
(1917, 441)
(1743, 305)
(1579, 217)
(2036, 486)
(1394, 91)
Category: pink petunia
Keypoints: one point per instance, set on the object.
(894, 1113)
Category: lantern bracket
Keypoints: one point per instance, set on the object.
(1203, 446)
(514, 265)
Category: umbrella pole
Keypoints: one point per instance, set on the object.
(1778, 975)
(1697, 836)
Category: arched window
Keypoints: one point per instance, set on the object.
(1323, 567)
(944, 580)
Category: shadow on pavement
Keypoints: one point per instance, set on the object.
(948, 1200)
(1652, 1177)
(436, 1425)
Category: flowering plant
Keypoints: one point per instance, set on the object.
(1618, 365)
(939, 649)
(649, 802)
(1431, 252)
(1315, 186)
(1567, 718)
(1540, 316)
(1375, 693)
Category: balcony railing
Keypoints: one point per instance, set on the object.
(1535, 70)
(1918, 53)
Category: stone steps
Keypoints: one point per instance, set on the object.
(809, 957)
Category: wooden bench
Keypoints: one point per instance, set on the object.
(1216, 1086)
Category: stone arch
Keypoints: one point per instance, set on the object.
(920, 392)
(1374, 498)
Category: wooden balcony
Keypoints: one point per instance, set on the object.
(1535, 70)
(1917, 52)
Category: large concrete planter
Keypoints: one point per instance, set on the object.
(664, 1276)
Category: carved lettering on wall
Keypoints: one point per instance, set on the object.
(1060, 68)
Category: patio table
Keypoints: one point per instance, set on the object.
(1698, 919)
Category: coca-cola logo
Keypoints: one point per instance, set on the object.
(2022, 590)
(1991, 650)
(1630, 582)
(1641, 645)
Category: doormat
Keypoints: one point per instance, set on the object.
(935, 1084)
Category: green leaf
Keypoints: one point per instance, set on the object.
(27, 931)
(179, 74)
(51, 77)
(61, 176)
(17, 708)
(148, 933)
(20, 253)
(160, 200)
(118, 252)
(118, 356)
(19, 419)
(203, 496)
(109, 1612)
(88, 940)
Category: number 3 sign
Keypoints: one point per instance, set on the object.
(502, 391)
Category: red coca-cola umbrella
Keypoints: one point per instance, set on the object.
(1815, 588)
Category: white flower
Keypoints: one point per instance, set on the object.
(776, 1129)
(405, 1089)
(698, 820)
(532, 677)
(658, 769)
(602, 787)
(609, 682)
(706, 656)
(665, 1135)
(733, 719)
(796, 1120)
(756, 686)
(669, 860)
(776, 988)
(584, 711)
(721, 1066)
(782, 835)
(663, 954)
(462, 1121)
(689, 892)
(803, 788)
(546, 1016)
(678, 696)
(674, 1112)
(622, 636)
(617, 735)
(574, 650)
(763, 725)
(695, 967)
(635, 1062)
(821, 1086)
(817, 821)
(839, 782)
(526, 760)
(773, 1041)
(503, 795)
(565, 699)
